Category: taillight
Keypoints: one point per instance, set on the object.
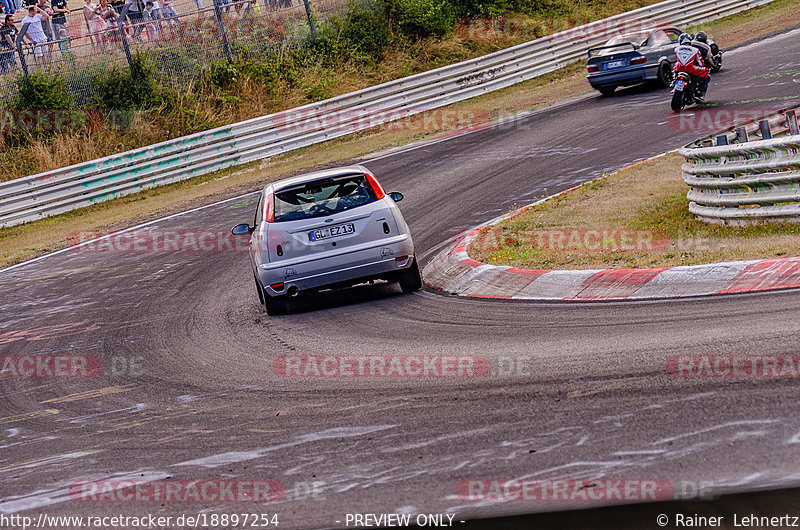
(269, 208)
(639, 60)
(379, 193)
(593, 68)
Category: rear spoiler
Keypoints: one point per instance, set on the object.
(612, 46)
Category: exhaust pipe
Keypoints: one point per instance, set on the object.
(293, 291)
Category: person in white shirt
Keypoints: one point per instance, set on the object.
(35, 33)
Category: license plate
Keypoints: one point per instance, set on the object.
(679, 85)
(614, 64)
(331, 231)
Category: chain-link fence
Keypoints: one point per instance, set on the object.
(179, 37)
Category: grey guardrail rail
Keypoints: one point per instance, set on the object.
(747, 182)
(65, 189)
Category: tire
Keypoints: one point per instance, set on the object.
(677, 100)
(274, 306)
(664, 75)
(410, 279)
(607, 90)
(260, 291)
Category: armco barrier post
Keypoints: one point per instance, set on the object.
(722, 139)
(791, 122)
(763, 128)
(741, 135)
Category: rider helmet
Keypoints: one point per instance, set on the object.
(701, 37)
(684, 39)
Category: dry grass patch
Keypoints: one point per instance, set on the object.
(647, 202)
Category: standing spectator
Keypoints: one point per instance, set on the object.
(155, 13)
(200, 7)
(59, 17)
(150, 22)
(94, 18)
(168, 13)
(8, 34)
(136, 18)
(8, 7)
(119, 7)
(35, 34)
(108, 14)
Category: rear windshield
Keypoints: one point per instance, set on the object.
(635, 38)
(322, 197)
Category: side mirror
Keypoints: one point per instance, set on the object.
(396, 196)
(243, 229)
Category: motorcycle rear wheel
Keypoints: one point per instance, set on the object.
(677, 100)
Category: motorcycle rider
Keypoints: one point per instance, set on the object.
(700, 42)
(690, 60)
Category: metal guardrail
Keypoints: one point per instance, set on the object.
(84, 184)
(747, 182)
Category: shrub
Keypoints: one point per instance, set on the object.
(126, 88)
(361, 34)
(221, 75)
(42, 91)
(422, 18)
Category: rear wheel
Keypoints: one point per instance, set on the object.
(677, 100)
(665, 74)
(410, 279)
(607, 90)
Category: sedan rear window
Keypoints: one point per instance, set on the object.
(638, 39)
(322, 197)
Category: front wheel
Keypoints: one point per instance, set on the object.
(410, 279)
(677, 100)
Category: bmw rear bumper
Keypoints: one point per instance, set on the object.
(632, 76)
(376, 261)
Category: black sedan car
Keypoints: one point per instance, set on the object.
(633, 58)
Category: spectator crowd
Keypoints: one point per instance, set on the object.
(44, 24)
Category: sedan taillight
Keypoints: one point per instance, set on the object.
(593, 68)
(639, 60)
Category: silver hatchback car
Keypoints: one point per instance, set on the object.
(331, 228)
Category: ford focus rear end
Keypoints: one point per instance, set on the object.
(328, 229)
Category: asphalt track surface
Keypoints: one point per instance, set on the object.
(576, 390)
